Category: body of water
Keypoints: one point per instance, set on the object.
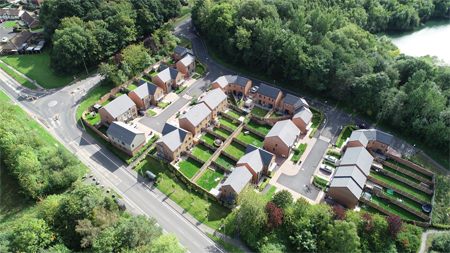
(432, 39)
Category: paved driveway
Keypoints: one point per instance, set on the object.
(6, 32)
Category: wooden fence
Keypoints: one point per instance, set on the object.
(220, 167)
(254, 131)
(189, 154)
(406, 172)
(408, 182)
(95, 129)
(397, 190)
(215, 134)
(229, 117)
(411, 165)
(407, 208)
(240, 142)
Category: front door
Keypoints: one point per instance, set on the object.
(259, 102)
(286, 111)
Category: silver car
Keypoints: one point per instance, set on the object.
(331, 159)
(326, 168)
(254, 89)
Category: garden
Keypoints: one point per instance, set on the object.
(132, 87)
(233, 124)
(234, 114)
(346, 132)
(202, 152)
(189, 167)
(395, 209)
(298, 152)
(148, 79)
(264, 129)
(222, 132)
(276, 114)
(407, 201)
(225, 161)
(251, 138)
(209, 138)
(400, 174)
(151, 113)
(163, 104)
(92, 119)
(235, 149)
(210, 179)
(409, 169)
(258, 111)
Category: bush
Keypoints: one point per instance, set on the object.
(263, 185)
(320, 182)
(320, 120)
(149, 143)
(180, 89)
(193, 102)
(334, 153)
(441, 243)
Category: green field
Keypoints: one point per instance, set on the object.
(225, 161)
(259, 111)
(251, 138)
(234, 114)
(202, 152)
(37, 67)
(235, 149)
(18, 77)
(222, 132)
(207, 179)
(209, 138)
(229, 123)
(264, 129)
(189, 167)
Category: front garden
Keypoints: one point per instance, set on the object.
(298, 152)
(345, 134)
(189, 167)
(235, 149)
(202, 152)
(210, 179)
(264, 129)
(163, 104)
(251, 138)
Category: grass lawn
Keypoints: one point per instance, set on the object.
(395, 209)
(189, 167)
(152, 113)
(37, 29)
(207, 179)
(93, 96)
(4, 97)
(235, 149)
(199, 69)
(170, 61)
(196, 76)
(202, 152)
(131, 87)
(17, 77)
(241, 102)
(402, 186)
(148, 79)
(222, 132)
(93, 119)
(163, 104)
(398, 173)
(37, 67)
(315, 122)
(184, 11)
(270, 193)
(225, 161)
(184, 42)
(251, 138)
(234, 114)
(229, 123)
(181, 19)
(370, 209)
(10, 24)
(209, 138)
(298, 154)
(409, 169)
(264, 129)
(207, 211)
(259, 111)
(407, 201)
(103, 129)
(275, 114)
(106, 102)
(348, 131)
(226, 245)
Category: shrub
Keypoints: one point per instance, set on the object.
(334, 153)
(149, 143)
(263, 185)
(193, 102)
(180, 89)
(282, 198)
(441, 243)
(320, 182)
(321, 116)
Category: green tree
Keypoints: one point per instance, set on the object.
(139, 231)
(441, 243)
(107, 241)
(282, 199)
(167, 243)
(31, 235)
(340, 232)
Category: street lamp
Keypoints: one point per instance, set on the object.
(87, 72)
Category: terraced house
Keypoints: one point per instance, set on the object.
(195, 119)
(215, 100)
(146, 94)
(168, 79)
(120, 109)
(174, 141)
(281, 138)
(125, 137)
(268, 96)
(237, 84)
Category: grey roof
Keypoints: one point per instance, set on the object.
(238, 179)
(227, 79)
(173, 136)
(348, 183)
(213, 98)
(182, 51)
(303, 113)
(268, 91)
(119, 105)
(353, 172)
(256, 158)
(167, 73)
(286, 130)
(295, 101)
(197, 114)
(377, 135)
(358, 156)
(144, 89)
(359, 136)
(123, 132)
(188, 59)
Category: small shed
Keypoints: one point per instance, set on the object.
(97, 107)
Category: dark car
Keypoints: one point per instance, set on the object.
(362, 126)
(142, 113)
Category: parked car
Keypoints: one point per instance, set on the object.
(142, 113)
(326, 168)
(331, 159)
(362, 126)
(5, 39)
(120, 204)
(254, 89)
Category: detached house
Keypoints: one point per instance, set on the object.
(168, 79)
(120, 109)
(180, 52)
(186, 65)
(31, 20)
(237, 84)
(258, 161)
(215, 100)
(302, 119)
(235, 183)
(281, 138)
(146, 94)
(174, 141)
(291, 104)
(195, 119)
(268, 96)
(376, 140)
(11, 13)
(126, 138)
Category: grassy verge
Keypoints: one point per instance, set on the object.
(320, 182)
(196, 76)
(316, 120)
(93, 96)
(235, 149)
(4, 97)
(189, 167)
(202, 152)
(163, 104)
(183, 18)
(209, 138)
(226, 245)
(184, 42)
(222, 132)
(17, 77)
(152, 113)
(345, 133)
(251, 138)
(208, 180)
(199, 68)
(225, 161)
(259, 111)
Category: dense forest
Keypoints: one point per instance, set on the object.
(93, 30)
(326, 48)
(282, 225)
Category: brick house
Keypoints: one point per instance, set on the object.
(181, 52)
(31, 20)
(120, 109)
(235, 183)
(268, 96)
(302, 119)
(146, 94)
(281, 138)
(258, 161)
(195, 119)
(125, 137)
(186, 65)
(168, 79)
(15, 43)
(174, 141)
(237, 84)
(377, 141)
(291, 104)
(347, 186)
(216, 101)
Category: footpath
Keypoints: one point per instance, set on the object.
(24, 76)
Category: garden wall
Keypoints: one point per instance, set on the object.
(240, 142)
(254, 131)
(411, 165)
(229, 129)
(189, 154)
(215, 134)
(95, 129)
(409, 173)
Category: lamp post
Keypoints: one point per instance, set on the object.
(87, 72)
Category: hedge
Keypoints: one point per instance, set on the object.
(181, 89)
(264, 184)
(334, 153)
(149, 143)
(343, 131)
(320, 182)
(320, 120)
(299, 152)
(441, 226)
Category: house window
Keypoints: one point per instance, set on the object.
(286, 105)
(106, 116)
(276, 145)
(167, 151)
(273, 149)
(242, 88)
(185, 142)
(161, 149)
(133, 110)
(132, 145)
(259, 95)
(123, 143)
(189, 138)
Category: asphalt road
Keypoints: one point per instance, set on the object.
(6, 32)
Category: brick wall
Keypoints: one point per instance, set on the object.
(94, 129)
